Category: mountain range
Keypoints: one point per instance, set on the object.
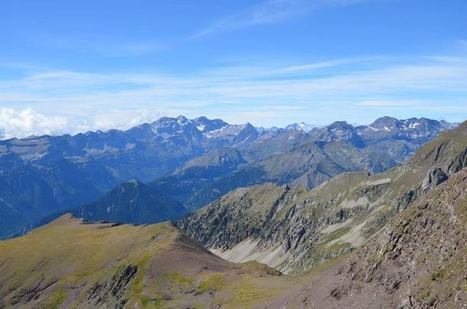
(294, 228)
(394, 239)
(193, 162)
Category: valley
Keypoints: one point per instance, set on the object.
(192, 161)
(255, 154)
(358, 239)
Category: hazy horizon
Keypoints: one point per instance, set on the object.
(73, 67)
(35, 124)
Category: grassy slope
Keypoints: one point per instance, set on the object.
(59, 265)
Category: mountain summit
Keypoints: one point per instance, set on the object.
(40, 176)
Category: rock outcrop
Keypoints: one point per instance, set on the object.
(299, 228)
(418, 260)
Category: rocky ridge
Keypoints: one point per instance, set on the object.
(294, 229)
(418, 260)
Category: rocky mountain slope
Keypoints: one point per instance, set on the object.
(199, 173)
(395, 239)
(418, 260)
(294, 229)
(132, 202)
(70, 264)
(310, 164)
(43, 175)
(327, 152)
(47, 174)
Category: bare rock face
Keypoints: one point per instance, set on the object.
(419, 258)
(114, 289)
(435, 177)
(458, 163)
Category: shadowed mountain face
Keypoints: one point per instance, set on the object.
(199, 173)
(43, 175)
(294, 229)
(192, 161)
(132, 202)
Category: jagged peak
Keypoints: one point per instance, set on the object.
(302, 126)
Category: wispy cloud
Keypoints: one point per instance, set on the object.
(268, 12)
(389, 103)
(357, 90)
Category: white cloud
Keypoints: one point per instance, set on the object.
(353, 89)
(26, 122)
(22, 123)
(268, 12)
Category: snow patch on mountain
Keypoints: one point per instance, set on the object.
(302, 126)
(233, 129)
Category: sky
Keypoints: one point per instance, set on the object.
(72, 66)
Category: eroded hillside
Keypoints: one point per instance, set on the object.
(294, 229)
(418, 260)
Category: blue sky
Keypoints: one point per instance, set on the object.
(68, 66)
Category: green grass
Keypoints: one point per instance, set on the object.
(212, 283)
(179, 280)
(336, 234)
(78, 256)
(54, 300)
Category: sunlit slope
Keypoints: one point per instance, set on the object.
(72, 264)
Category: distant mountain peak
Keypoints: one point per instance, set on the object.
(134, 182)
(302, 126)
(182, 120)
(340, 125)
(340, 131)
(132, 202)
(233, 129)
(204, 124)
(387, 119)
(411, 128)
